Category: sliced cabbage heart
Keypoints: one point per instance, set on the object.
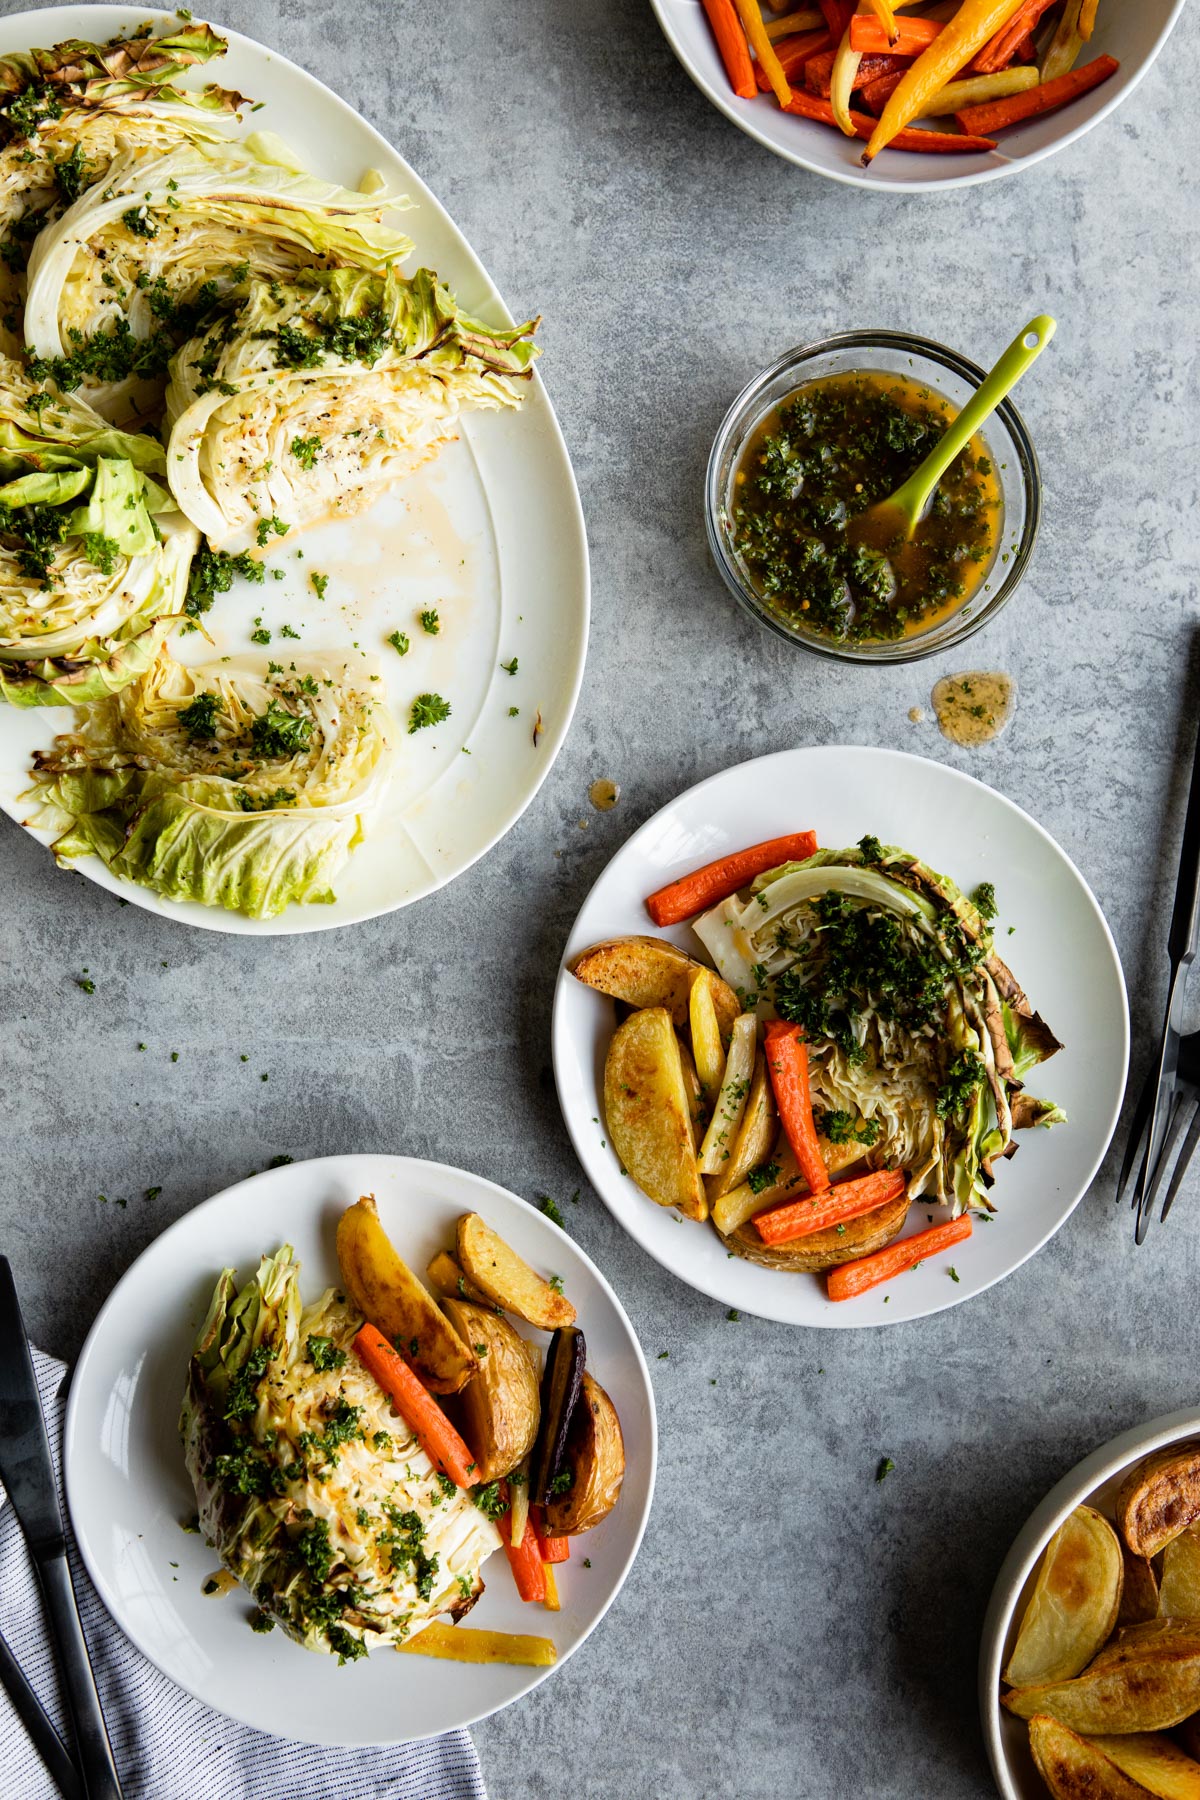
(314, 395)
(126, 273)
(94, 554)
(227, 784)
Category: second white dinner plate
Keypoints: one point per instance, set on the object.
(1060, 950)
(129, 1493)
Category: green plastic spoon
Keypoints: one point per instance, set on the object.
(899, 515)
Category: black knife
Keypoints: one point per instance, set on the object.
(37, 1723)
(28, 1474)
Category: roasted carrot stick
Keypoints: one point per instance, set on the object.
(693, 893)
(848, 1200)
(1046, 98)
(809, 106)
(856, 1277)
(763, 48)
(837, 15)
(793, 56)
(999, 51)
(416, 1406)
(1087, 18)
(961, 38)
(912, 35)
(554, 1549)
(877, 93)
(731, 42)
(787, 1066)
(886, 17)
(524, 1559)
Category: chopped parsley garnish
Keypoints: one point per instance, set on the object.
(399, 642)
(347, 1647)
(261, 1621)
(427, 709)
(319, 583)
(278, 732)
(488, 1499)
(844, 1128)
(314, 1549)
(430, 621)
(885, 1468)
(102, 552)
(265, 803)
(305, 450)
(323, 1353)
(248, 1472)
(212, 573)
(872, 849)
(551, 1210)
(984, 900)
(138, 220)
(265, 527)
(243, 1389)
(963, 1076)
(562, 1483)
(71, 176)
(733, 1314)
(763, 1177)
(510, 668)
(199, 717)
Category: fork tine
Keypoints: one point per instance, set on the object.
(1185, 1156)
(1137, 1132)
(1175, 1127)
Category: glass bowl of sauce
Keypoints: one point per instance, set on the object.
(815, 441)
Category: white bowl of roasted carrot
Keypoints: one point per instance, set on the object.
(916, 96)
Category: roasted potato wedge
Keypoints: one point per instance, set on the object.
(648, 1113)
(1162, 1768)
(1139, 1592)
(506, 1279)
(1160, 1498)
(756, 1135)
(596, 1460)
(695, 1092)
(448, 1280)
(705, 1028)
(1154, 1687)
(1132, 1641)
(1074, 1767)
(1074, 1603)
(649, 971)
(1189, 1736)
(500, 1407)
(726, 1122)
(1179, 1589)
(823, 1249)
(384, 1288)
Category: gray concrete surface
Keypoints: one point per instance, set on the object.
(791, 1627)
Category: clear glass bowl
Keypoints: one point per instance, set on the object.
(893, 352)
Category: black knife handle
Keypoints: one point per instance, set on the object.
(1184, 936)
(32, 1715)
(91, 1738)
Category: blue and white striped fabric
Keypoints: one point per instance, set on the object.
(167, 1746)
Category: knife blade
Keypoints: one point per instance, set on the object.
(27, 1471)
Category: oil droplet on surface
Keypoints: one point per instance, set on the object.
(917, 714)
(604, 794)
(974, 707)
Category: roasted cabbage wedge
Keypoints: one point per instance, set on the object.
(66, 114)
(123, 277)
(313, 1489)
(919, 1037)
(228, 784)
(312, 396)
(94, 553)
(1074, 1604)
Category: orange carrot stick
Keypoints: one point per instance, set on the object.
(731, 42)
(912, 35)
(810, 106)
(818, 71)
(693, 893)
(416, 1406)
(848, 1200)
(793, 54)
(787, 1065)
(999, 51)
(877, 93)
(554, 1549)
(993, 115)
(750, 14)
(524, 1559)
(856, 1277)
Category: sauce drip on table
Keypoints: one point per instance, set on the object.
(823, 456)
(974, 707)
(604, 794)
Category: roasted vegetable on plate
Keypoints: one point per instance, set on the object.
(859, 1046)
(1111, 1690)
(336, 1487)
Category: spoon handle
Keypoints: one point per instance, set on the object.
(1025, 349)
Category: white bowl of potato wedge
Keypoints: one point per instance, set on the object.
(1089, 1667)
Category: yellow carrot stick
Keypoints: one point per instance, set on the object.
(966, 33)
(886, 17)
(977, 89)
(807, 20)
(1087, 18)
(842, 76)
(760, 43)
(1066, 43)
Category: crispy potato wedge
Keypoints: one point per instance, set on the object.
(648, 1115)
(506, 1279)
(449, 1281)
(461, 1643)
(649, 971)
(726, 1122)
(756, 1135)
(707, 1046)
(1139, 1592)
(695, 1092)
(1132, 1641)
(384, 1288)
(823, 1249)
(1154, 1688)
(1074, 1603)
(1160, 1498)
(1179, 1590)
(596, 1461)
(1074, 1768)
(1159, 1765)
(1189, 1736)
(500, 1408)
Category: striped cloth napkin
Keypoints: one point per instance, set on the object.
(167, 1745)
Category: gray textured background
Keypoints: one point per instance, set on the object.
(791, 1628)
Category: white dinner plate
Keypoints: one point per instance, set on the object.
(1061, 951)
(1096, 1482)
(129, 1492)
(1134, 33)
(491, 535)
